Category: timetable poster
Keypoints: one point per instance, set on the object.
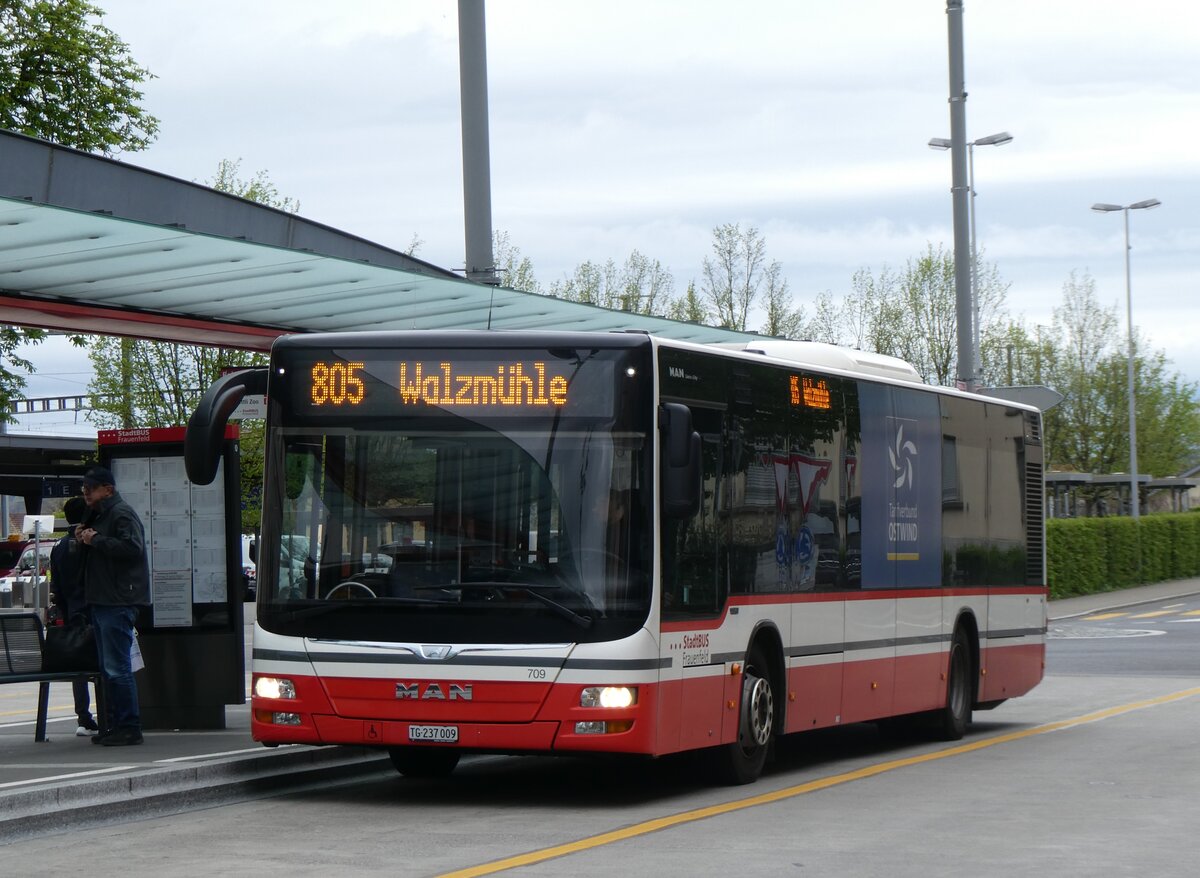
(169, 535)
(132, 477)
(185, 534)
(209, 578)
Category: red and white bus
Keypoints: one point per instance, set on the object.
(616, 543)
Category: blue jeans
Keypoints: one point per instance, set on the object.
(113, 627)
(83, 699)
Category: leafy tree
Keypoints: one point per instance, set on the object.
(731, 278)
(688, 307)
(911, 315)
(646, 285)
(926, 297)
(1085, 336)
(591, 284)
(640, 285)
(1168, 417)
(257, 188)
(67, 78)
(12, 382)
(154, 384)
(514, 270)
(783, 321)
(1084, 357)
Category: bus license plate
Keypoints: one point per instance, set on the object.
(433, 734)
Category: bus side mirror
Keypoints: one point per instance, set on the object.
(206, 426)
(679, 479)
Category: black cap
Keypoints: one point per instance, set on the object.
(97, 476)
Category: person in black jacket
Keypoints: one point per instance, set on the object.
(116, 583)
(66, 590)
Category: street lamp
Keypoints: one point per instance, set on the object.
(999, 139)
(1133, 465)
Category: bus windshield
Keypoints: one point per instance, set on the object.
(451, 528)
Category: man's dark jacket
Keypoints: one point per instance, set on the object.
(115, 570)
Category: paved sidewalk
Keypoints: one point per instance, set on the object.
(1128, 597)
(67, 781)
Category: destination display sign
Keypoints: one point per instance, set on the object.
(373, 385)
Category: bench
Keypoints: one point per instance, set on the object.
(22, 638)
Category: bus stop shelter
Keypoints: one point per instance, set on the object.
(94, 245)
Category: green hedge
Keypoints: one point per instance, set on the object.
(1087, 555)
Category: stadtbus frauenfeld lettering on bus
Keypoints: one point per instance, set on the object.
(615, 543)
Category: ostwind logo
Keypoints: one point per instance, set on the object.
(901, 455)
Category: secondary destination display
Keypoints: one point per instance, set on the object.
(812, 392)
(535, 384)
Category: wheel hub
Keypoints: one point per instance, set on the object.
(758, 712)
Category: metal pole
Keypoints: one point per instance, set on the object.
(958, 156)
(477, 182)
(977, 361)
(1133, 464)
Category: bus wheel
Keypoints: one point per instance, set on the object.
(424, 761)
(742, 761)
(956, 715)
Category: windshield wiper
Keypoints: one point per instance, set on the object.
(533, 590)
(325, 608)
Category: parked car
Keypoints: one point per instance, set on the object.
(16, 565)
(11, 554)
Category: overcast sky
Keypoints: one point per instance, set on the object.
(623, 125)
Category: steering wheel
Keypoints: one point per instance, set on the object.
(348, 590)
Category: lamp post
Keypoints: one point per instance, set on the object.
(999, 139)
(1133, 465)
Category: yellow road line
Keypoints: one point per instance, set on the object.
(1191, 613)
(1100, 616)
(1152, 615)
(660, 823)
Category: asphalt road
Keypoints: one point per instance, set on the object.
(1168, 635)
(1091, 774)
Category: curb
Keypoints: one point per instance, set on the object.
(1116, 600)
(158, 790)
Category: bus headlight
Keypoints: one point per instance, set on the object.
(274, 687)
(608, 696)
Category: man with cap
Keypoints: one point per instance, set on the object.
(116, 582)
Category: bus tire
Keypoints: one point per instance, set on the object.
(424, 762)
(742, 761)
(955, 715)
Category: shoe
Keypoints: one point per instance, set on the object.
(83, 731)
(120, 738)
